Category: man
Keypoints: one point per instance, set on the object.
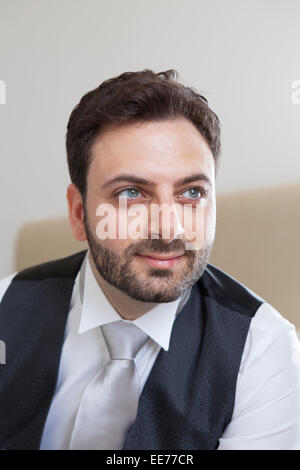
(140, 343)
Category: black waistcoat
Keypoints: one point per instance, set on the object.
(188, 398)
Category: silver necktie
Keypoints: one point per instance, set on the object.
(109, 403)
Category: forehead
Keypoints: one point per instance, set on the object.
(161, 149)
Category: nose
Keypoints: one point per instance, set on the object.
(165, 221)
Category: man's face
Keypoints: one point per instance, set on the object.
(162, 152)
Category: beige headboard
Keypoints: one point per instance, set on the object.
(257, 242)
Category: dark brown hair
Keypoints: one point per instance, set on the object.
(134, 97)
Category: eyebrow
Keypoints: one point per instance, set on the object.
(138, 180)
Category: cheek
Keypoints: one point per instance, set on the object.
(106, 224)
(116, 246)
(199, 225)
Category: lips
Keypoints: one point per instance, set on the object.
(160, 261)
(161, 257)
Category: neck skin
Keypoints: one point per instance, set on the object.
(127, 307)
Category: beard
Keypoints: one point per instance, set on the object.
(149, 284)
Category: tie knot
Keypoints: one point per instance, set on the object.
(123, 339)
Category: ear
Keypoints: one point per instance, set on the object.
(75, 210)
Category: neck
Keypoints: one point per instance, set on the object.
(127, 307)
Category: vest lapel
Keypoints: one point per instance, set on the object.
(32, 323)
(188, 398)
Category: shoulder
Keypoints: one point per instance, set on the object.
(266, 322)
(5, 283)
(66, 267)
(229, 292)
(59, 268)
(272, 339)
(267, 399)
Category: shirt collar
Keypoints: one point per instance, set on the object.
(97, 310)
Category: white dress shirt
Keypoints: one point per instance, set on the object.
(267, 401)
